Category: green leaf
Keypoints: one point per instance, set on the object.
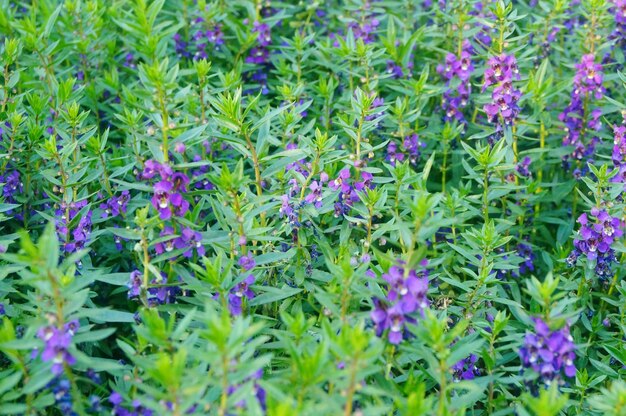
(273, 294)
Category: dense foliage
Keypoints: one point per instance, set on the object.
(360, 207)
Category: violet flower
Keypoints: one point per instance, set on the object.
(240, 292)
(466, 369)
(595, 240)
(549, 353)
(57, 341)
(502, 71)
(406, 299)
(457, 72)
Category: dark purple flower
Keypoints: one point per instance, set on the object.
(550, 353)
(466, 369)
(115, 205)
(595, 240)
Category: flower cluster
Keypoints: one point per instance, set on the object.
(348, 189)
(457, 72)
(397, 71)
(115, 205)
(189, 241)
(168, 192)
(466, 369)
(619, 33)
(12, 185)
(365, 30)
(57, 341)
(62, 390)
(74, 239)
(138, 409)
(410, 150)
(160, 291)
(595, 240)
(241, 291)
(291, 204)
(259, 392)
(206, 38)
(260, 54)
(550, 353)
(502, 71)
(577, 116)
(406, 297)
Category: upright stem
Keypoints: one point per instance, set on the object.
(351, 386)
(146, 269)
(443, 386)
(224, 396)
(164, 123)
(257, 171)
(486, 196)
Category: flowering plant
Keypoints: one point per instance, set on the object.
(361, 207)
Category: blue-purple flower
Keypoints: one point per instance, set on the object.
(466, 369)
(406, 298)
(247, 262)
(57, 342)
(240, 292)
(549, 353)
(595, 241)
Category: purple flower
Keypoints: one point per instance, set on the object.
(525, 251)
(167, 245)
(406, 297)
(167, 201)
(577, 117)
(457, 71)
(134, 284)
(115, 205)
(192, 240)
(12, 185)
(466, 369)
(240, 292)
(502, 71)
(595, 239)
(73, 239)
(522, 167)
(396, 70)
(57, 341)
(247, 262)
(348, 189)
(550, 353)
